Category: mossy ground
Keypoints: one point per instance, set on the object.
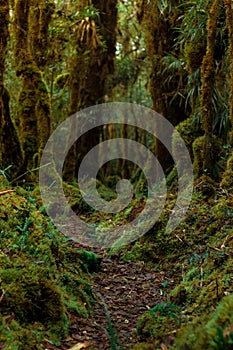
(198, 255)
(44, 280)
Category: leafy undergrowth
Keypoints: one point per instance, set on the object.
(44, 280)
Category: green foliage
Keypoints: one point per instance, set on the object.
(144, 346)
(88, 12)
(3, 173)
(227, 180)
(130, 80)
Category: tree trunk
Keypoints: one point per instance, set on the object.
(10, 152)
(92, 64)
(208, 77)
(227, 181)
(160, 38)
(34, 102)
(40, 16)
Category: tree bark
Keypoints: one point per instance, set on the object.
(160, 39)
(34, 101)
(227, 181)
(92, 65)
(208, 77)
(10, 151)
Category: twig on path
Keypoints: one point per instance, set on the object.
(6, 191)
(217, 249)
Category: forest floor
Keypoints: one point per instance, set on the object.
(184, 280)
(128, 289)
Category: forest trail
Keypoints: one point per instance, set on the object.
(128, 289)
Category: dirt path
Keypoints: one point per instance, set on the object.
(128, 289)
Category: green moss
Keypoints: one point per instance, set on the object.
(194, 53)
(199, 157)
(10, 152)
(227, 180)
(40, 16)
(209, 332)
(90, 260)
(160, 320)
(34, 103)
(189, 130)
(200, 251)
(42, 276)
(144, 346)
(33, 115)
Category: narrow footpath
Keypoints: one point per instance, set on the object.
(128, 289)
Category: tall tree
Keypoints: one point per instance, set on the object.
(93, 63)
(33, 102)
(10, 152)
(158, 19)
(227, 181)
(208, 77)
(95, 51)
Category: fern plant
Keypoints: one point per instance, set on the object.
(112, 332)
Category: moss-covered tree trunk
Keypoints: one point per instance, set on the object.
(10, 152)
(158, 26)
(95, 52)
(208, 77)
(227, 181)
(40, 17)
(93, 63)
(31, 31)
